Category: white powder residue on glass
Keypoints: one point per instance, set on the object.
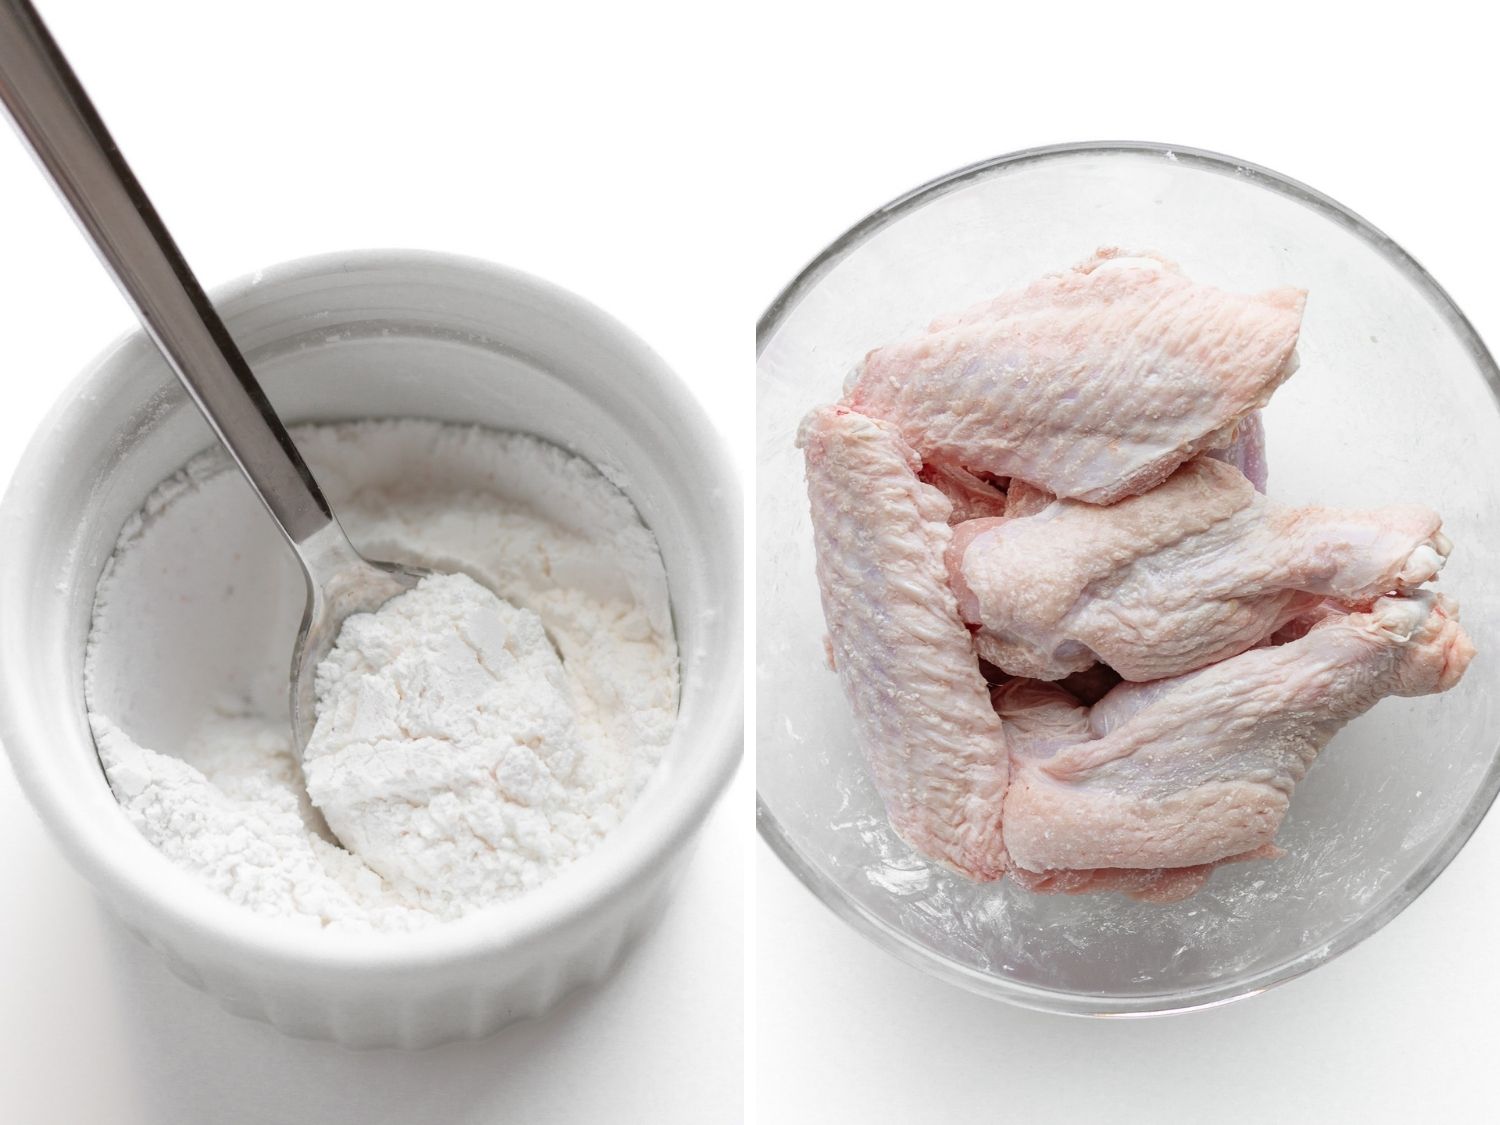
(474, 737)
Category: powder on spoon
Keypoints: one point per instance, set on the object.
(447, 753)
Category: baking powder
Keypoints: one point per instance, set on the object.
(475, 737)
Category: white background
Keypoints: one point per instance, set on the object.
(677, 166)
(271, 130)
(1383, 116)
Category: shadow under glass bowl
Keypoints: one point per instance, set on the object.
(1395, 400)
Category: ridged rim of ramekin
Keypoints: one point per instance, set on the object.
(149, 880)
(914, 953)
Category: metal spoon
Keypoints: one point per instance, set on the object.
(56, 118)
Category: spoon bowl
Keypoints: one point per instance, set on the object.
(348, 586)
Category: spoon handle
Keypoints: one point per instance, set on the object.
(54, 115)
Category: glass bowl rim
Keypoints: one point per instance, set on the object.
(914, 953)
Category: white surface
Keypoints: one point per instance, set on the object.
(548, 139)
(1380, 116)
(271, 132)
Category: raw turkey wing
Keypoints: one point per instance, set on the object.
(1201, 768)
(922, 713)
(1195, 571)
(1094, 383)
(1041, 719)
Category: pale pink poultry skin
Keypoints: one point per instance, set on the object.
(1022, 499)
(1201, 768)
(922, 713)
(1039, 720)
(1195, 571)
(1246, 451)
(1094, 383)
(1156, 884)
(1064, 486)
(972, 497)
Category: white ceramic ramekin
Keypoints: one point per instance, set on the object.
(359, 335)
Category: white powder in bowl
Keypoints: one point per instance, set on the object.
(459, 755)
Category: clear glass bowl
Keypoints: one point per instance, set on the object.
(1396, 400)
